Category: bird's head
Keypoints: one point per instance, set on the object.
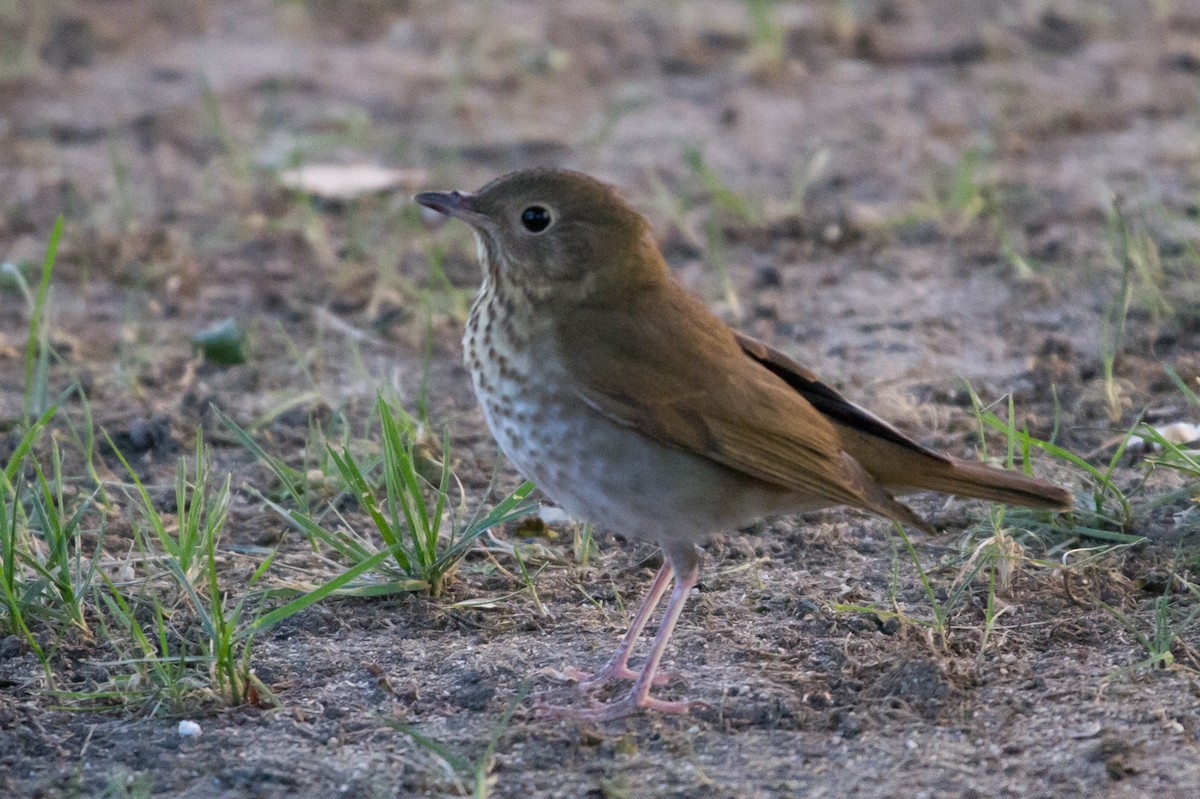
(554, 230)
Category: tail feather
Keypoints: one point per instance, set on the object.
(892, 461)
(903, 469)
(878, 499)
(981, 481)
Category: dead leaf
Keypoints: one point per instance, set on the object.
(350, 181)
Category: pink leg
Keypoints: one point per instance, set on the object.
(617, 667)
(685, 563)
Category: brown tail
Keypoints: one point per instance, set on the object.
(903, 467)
(978, 480)
(896, 462)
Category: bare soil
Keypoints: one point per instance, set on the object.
(895, 155)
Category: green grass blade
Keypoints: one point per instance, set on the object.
(36, 350)
(160, 531)
(24, 445)
(290, 478)
(300, 603)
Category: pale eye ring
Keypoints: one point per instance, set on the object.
(536, 218)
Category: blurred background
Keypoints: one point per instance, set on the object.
(901, 195)
(859, 180)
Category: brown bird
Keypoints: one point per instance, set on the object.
(634, 407)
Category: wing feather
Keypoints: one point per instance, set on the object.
(680, 377)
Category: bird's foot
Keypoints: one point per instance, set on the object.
(582, 682)
(620, 708)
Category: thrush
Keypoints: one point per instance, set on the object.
(633, 406)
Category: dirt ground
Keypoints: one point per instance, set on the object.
(904, 195)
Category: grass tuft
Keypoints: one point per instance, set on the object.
(404, 491)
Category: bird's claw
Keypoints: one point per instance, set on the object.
(620, 708)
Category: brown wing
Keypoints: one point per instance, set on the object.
(661, 363)
(825, 399)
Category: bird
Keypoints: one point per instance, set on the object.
(634, 407)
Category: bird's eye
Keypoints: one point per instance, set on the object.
(535, 218)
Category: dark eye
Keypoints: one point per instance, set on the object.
(535, 218)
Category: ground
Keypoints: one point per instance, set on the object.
(908, 197)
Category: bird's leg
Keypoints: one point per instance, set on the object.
(617, 667)
(685, 562)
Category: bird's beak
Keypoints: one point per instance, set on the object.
(452, 203)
